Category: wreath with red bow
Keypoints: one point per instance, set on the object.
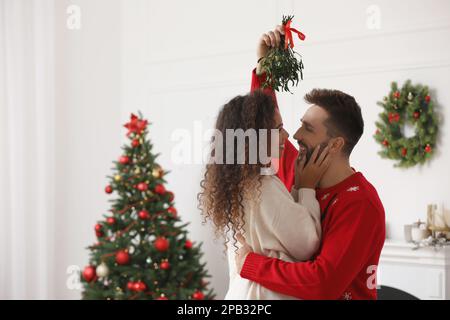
(410, 105)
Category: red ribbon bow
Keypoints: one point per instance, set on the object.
(136, 125)
(393, 117)
(288, 35)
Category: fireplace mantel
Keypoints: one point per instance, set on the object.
(424, 273)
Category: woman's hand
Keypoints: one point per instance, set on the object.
(268, 40)
(308, 175)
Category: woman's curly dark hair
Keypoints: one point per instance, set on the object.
(226, 186)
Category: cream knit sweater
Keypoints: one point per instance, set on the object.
(280, 225)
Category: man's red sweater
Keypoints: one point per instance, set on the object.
(353, 233)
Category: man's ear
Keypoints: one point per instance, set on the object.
(336, 145)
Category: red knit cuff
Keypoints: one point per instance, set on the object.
(258, 80)
(252, 262)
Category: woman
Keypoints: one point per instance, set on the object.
(236, 197)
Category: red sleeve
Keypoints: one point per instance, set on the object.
(352, 238)
(290, 153)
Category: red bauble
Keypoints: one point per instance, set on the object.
(142, 286)
(171, 196)
(122, 257)
(159, 189)
(164, 265)
(404, 152)
(198, 295)
(428, 148)
(111, 220)
(162, 297)
(143, 215)
(427, 99)
(124, 159)
(139, 286)
(135, 143)
(108, 189)
(172, 211)
(188, 244)
(396, 94)
(416, 115)
(99, 230)
(161, 244)
(142, 186)
(130, 285)
(136, 286)
(385, 143)
(89, 273)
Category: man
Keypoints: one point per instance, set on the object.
(353, 219)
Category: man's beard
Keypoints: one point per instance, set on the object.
(309, 151)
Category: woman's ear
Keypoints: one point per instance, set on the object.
(336, 145)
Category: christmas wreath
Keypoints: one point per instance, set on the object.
(409, 106)
(283, 65)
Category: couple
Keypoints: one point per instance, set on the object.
(316, 229)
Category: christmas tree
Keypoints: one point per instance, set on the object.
(142, 252)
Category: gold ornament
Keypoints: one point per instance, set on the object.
(137, 171)
(157, 172)
(102, 270)
(118, 177)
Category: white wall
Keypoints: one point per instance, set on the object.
(88, 128)
(182, 60)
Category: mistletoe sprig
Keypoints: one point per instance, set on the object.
(283, 65)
